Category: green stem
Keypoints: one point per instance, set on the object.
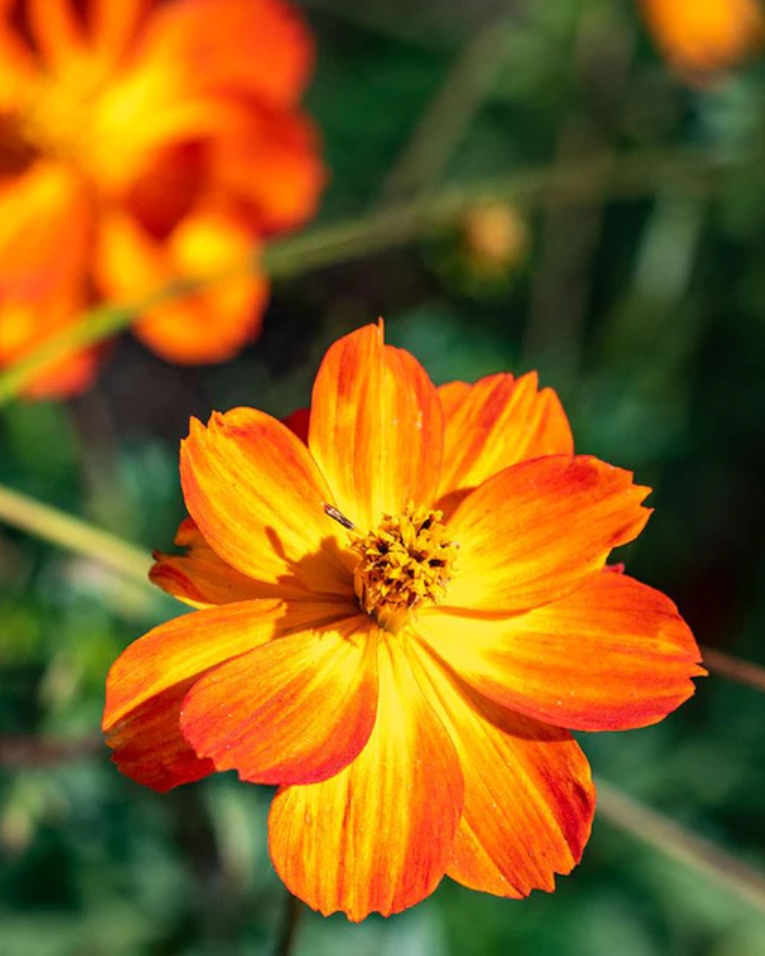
(589, 179)
(73, 534)
(695, 852)
(286, 943)
(450, 113)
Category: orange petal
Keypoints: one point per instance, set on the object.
(258, 498)
(114, 25)
(272, 163)
(376, 429)
(296, 710)
(57, 31)
(18, 69)
(378, 836)
(46, 224)
(202, 579)
(212, 323)
(612, 655)
(149, 747)
(495, 423)
(257, 47)
(529, 798)
(531, 534)
(186, 647)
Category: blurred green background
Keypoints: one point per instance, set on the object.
(640, 296)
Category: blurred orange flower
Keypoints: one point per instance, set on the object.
(399, 614)
(700, 37)
(142, 142)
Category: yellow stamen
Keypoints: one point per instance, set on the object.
(404, 564)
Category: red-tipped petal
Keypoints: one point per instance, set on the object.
(189, 645)
(149, 747)
(529, 798)
(296, 710)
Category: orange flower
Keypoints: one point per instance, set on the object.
(398, 617)
(142, 142)
(700, 37)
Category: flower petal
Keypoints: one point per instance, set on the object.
(531, 534)
(376, 837)
(149, 680)
(257, 47)
(57, 32)
(529, 798)
(201, 578)
(495, 423)
(149, 747)
(186, 647)
(613, 655)
(376, 429)
(46, 225)
(296, 710)
(18, 66)
(210, 324)
(258, 498)
(114, 25)
(271, 161)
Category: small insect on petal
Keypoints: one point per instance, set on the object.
(339, 517)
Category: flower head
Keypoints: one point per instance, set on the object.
(404, 606)
(142, 142)
(701, 37)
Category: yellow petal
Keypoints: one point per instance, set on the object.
(378, 836)
(529, 798)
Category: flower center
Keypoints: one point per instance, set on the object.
(404, 563)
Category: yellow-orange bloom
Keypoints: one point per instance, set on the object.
(142, 142)
(404, 599)
(700, 37)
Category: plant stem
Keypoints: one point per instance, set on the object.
(286, 942)
(731, 668)
(450, 113)
(594, 177)
(73, 534)
(698, 853)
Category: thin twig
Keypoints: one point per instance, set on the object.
(698, 853)
(732, 668)
(73, 534)
(628, 177)
(449, 114)
(561, 288)
(17, 750)
(286, 942)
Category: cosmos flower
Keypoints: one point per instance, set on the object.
(701, 37)
(404, 607)
(142, 142)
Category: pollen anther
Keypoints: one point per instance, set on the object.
(404, 563)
